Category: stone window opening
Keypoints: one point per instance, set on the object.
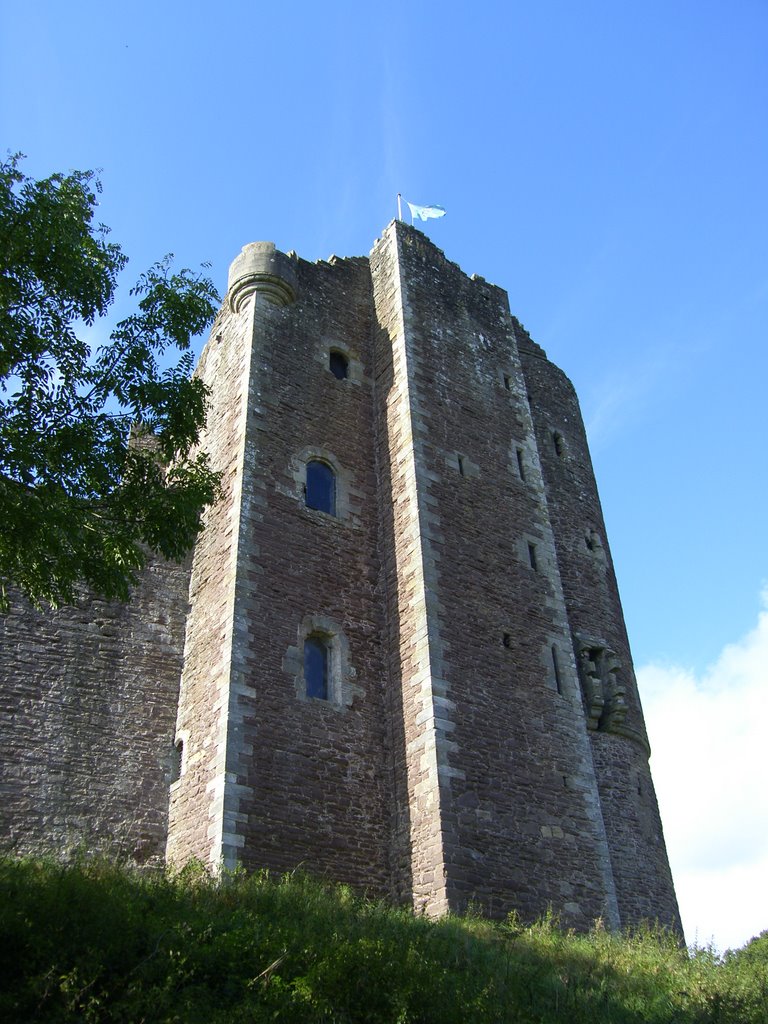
(319, 482)
(594, 544)
(532, 557)
(462, 464)
(507, 382)
(177, 761)
(338, 364)
(320, 487)
(317, 666)
(558, 443)
(507, 640)
(556, 670)
(520, 463)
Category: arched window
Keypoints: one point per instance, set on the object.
(338, 364)
(316, 664)
(320, 487)
(319, 666)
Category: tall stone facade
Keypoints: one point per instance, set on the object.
(397, 656)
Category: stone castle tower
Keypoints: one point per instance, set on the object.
(397, 655)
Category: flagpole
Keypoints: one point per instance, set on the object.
(399, 207)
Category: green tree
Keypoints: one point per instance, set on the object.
(98, 464)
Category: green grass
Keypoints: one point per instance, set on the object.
(95, 942)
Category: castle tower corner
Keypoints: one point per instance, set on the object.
(260, 268)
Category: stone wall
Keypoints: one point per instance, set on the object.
(303, 781)
(480, 673)
(87, 708)
(609, 690)
(409, 538)
(196, 826)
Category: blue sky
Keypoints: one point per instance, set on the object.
(605, 163)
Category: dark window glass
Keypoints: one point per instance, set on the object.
(339, 365)
(321, 487)
(316, 667)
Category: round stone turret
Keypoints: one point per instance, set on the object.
(261, 268)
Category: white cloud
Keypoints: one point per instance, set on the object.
(710, 759)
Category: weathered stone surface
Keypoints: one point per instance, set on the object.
(482, 738)
(619, 742)
(87, 707)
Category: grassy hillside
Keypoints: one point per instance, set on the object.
(94, 942)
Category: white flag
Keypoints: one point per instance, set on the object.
(425, 212)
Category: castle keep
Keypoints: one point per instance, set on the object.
(396, 656)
